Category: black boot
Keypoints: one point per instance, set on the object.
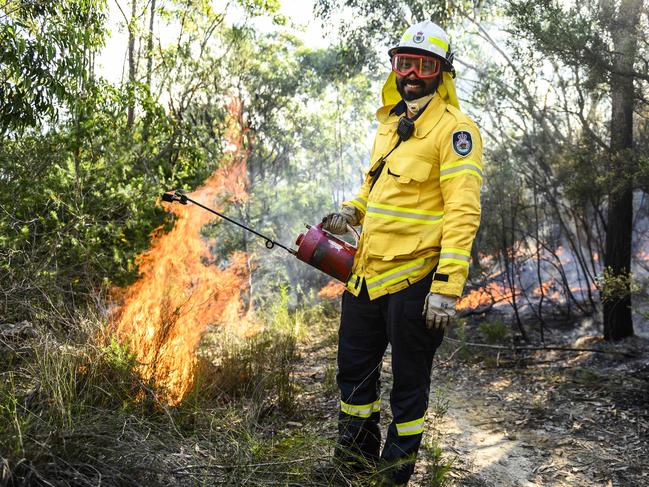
(359, 444)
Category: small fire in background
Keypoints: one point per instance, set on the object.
(543, 288)
(492, 293)
(549, 289)
(180, 291)
(332, 290)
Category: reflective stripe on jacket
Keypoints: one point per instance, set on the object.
(424, 209)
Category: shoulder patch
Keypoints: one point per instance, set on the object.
(462, 142)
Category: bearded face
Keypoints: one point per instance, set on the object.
(412, 87)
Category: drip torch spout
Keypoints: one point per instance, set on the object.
(180, 197)
(171, 196)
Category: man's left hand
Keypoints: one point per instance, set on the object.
(438, 310)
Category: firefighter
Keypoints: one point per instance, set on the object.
(419, 208)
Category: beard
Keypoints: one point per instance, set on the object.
(420, 89)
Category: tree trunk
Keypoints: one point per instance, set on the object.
(149, 46)
(130, 117)
(149, 69)
(618, 322)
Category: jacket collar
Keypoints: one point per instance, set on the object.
(390, 115)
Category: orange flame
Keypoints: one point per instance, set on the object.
(180, 291)
(332, 290)
(549, 289)
(543, 288)
(492, 293)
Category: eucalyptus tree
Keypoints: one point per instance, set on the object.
(79, 177)
(46, 60)
(560, 88)
(603, 43)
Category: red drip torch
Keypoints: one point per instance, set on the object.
(326, 252)
(318, 248)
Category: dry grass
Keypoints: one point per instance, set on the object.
(73, 412)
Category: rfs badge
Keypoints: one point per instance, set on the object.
(419, 37)
(462, 143)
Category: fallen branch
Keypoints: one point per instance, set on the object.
(560, 349)
(476, 311)
(15, 330)
(244, 465)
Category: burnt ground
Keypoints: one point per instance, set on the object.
(497, 418)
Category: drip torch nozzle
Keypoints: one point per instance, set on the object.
(171, 196)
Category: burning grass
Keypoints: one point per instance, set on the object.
(75, 410)
(492, 293)
(332, 290)
(180, 291)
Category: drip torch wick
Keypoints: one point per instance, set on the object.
(171, 196)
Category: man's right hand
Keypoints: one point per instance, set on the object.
(336, 223)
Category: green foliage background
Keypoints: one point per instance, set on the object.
(80, 180)
(82, 161)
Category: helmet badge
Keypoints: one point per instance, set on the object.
(419, 37)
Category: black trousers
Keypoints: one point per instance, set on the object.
(366, 328)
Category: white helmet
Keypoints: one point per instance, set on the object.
(425, 36)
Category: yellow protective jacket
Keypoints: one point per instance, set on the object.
(424, 209)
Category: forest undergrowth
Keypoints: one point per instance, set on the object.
(262, 411)
(74, 411)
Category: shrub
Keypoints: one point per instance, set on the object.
(494, 331)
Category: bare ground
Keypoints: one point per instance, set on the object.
(539, 419)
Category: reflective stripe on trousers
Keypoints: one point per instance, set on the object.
(362, 410)
(366, 328)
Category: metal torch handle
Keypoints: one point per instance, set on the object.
(355, 234)
(171, 196)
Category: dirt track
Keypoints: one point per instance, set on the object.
(548, 419)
